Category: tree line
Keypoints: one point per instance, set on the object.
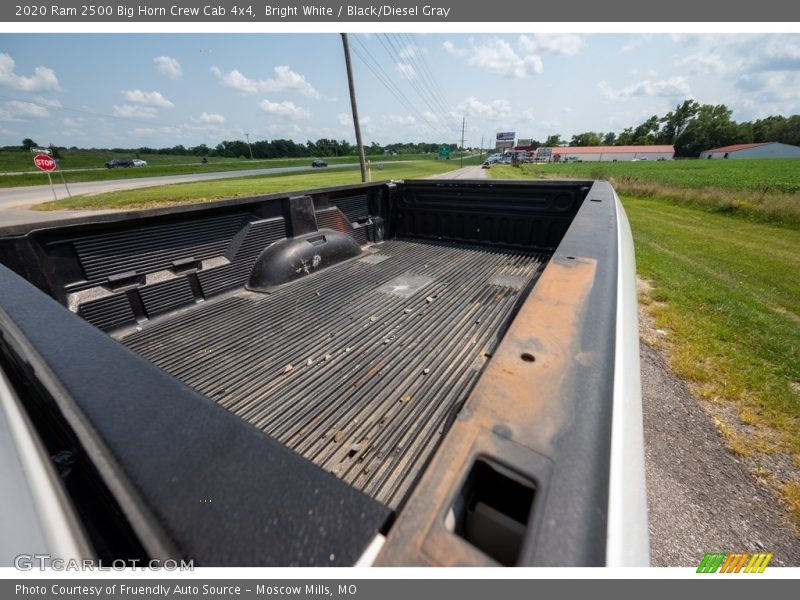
(692, 128)
(278, 148)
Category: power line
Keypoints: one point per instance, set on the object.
(413, 82)
(417, 59)
(380, 74)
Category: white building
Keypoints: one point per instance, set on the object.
(605, 153)
(762, 150)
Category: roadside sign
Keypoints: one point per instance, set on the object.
(444, 152)
(505, 136)
(44, 162)
(36, 150)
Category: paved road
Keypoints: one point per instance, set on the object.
(465, 173)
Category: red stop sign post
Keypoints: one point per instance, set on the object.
(47, 164)
(44, 162)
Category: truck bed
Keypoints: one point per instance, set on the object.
(359, 367)
(442, 370)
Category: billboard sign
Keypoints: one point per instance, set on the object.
(506, 136)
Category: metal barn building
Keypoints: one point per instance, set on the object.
(762, 150)
(606, 153)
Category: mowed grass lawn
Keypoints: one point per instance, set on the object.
(206, 191)
(758, 174)
(727, 293)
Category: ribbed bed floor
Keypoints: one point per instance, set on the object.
(360, 367)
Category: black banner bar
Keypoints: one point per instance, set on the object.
(396, 11)
(731, 588)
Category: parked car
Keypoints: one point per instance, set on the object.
(138, 162)
(486, 165)
(120, 162)
(319, 163)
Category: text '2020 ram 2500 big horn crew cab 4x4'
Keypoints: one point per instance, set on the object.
(412, 373)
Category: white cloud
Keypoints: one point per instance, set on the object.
(528, 115)
(168, 66)
(28, 109)
(287, 108)
(671, 87)
(566, 109)
(780, 88)
(779, 55)
(73, 122)
(285, 80)
(282, 129)
(401, 119)
(346, 120)
(411, 51)
(707, 63)
(211, 118)
(149, 131)
(498, 56)
(406, 70)
(47, 102)
(496, 110)
(153, 98)
(135, 111)
(552, 43)
(17, 110)
(453, 49)
(42, 78)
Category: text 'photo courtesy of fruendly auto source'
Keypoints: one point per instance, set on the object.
(474, 296)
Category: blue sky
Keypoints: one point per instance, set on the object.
(131, 90)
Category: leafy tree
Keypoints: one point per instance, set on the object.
(589, 138)
(28, 143)
(646, 133)
(625, 138)
(711, 128)
(609, 138)
(675, 122)
(553, 140)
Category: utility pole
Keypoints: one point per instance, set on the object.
(463, 122)
(480, 157)
(247, 135)
(361, 158)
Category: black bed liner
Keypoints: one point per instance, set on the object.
(359, 367)
(150, 348)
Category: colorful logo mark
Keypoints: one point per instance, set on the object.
(734, 563)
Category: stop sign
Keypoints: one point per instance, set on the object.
(44, 162)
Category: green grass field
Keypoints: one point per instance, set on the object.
(766, 174)
(88, 165)
(206, 191)
(761, 189)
